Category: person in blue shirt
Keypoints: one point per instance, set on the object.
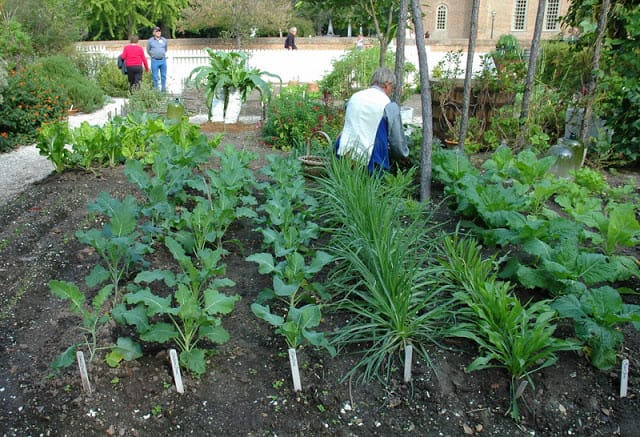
(157, 50)
(373, 131)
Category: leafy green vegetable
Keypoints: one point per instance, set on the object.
(597, 314)
(192, 311)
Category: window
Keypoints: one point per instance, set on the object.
(520, 15)
(441, 17)
(551, 15)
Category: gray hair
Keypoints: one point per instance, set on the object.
(382, 76)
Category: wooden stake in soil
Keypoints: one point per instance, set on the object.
(175, 367)
(624, 378)
(408, 356)
(295, 372)
(84, 375)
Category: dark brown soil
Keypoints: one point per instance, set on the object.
(247, 388)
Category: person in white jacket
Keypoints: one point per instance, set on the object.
(372, 129)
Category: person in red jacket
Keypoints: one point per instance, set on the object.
(134, 59)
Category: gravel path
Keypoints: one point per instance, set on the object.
(25, 166)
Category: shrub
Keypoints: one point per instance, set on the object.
(83, 93)
(564, 67)
(146, 98)
(15, 44)
(32, 98)
(4, 74)
(294, 114)
(353, 72)
(111, 80)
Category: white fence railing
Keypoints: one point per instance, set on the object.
(304, 66)
(301, 65)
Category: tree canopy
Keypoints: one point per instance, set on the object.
(238, 18)
(120, 18)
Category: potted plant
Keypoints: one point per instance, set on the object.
(508, 50)
(228, 80)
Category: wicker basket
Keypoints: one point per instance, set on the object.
(314, 165)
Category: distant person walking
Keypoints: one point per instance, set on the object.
(290, 41)
(134, 59)
(360, 42)
(157, 49)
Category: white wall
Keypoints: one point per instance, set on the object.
(301, 65)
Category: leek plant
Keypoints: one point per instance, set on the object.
(380, 239)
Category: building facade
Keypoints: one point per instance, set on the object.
(450, 19)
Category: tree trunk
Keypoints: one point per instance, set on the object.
(400, 45)
(531, 72)
(427, 115)
(468, 75)
(591, 85)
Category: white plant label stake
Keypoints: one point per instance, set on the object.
(295, 372)
(408, 356)
(175, 366)
(84, 375)
(624, 378)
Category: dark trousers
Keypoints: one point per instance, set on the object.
(134, 73)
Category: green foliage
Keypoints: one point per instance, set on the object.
(353, 71)
(165, 185)
(111, 80)
(118, 242)
(138, 135)
(564, 67)
(383, 277)
(52, 25)
(510, 205)
(617, 98)
(223, 196)
(294, 114)
(565, 267)
(52, 143)
(84, 94)
(508, 48)
(31, 99)
(292, 285)
(16, 46)
(228, 71)
(117, 19)
(193, 310)
(597, 315)
(510, 335)
(145, 99)
(619, 227)
(591, 179)
(94, 316)
(288, 229)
